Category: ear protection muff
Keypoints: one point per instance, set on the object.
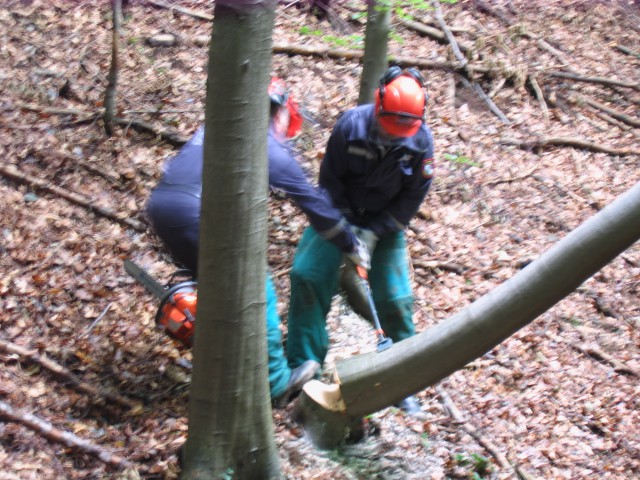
(394, 72)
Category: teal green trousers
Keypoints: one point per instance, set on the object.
(279, 372)
(314, 282)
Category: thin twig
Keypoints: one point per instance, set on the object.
(12, 172)
(50, 432)
(32, 355)
(539, 95)
(95, 322)
(568, 142)
(502, 460)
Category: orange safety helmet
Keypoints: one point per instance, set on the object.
(401, 102)
(279, 96)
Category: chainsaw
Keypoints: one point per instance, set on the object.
(176, 313)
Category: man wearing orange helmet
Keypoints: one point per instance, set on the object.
(174, 210)
(377, 168)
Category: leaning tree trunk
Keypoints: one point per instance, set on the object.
(374, 61)
(367, 383)
(231, 431)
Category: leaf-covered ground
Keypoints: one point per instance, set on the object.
(559, 399)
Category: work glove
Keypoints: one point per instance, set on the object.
(360, 255)
(365, 245)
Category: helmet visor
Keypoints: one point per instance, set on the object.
(399, 124)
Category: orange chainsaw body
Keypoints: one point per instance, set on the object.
(177, 315)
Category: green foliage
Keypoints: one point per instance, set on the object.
(403, 9)
(350, 41)
(460, 160)
(479, 464)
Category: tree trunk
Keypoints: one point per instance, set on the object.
(370, 382)
(374, 61)
(231, 432)
(376, 380)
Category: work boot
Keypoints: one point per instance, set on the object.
(411, 407)
(299, 376)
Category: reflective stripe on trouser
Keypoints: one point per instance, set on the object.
(279, 372)
(314, 281)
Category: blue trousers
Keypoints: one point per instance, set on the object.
(314, 282)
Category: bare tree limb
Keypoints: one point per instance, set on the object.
(12, 172)
(541, 43)
(593, 352)
(577, 99)
(512, 179)
(433, 33)
(48, 431)
(435, 264)
(341, 53)
(450, 38)
(492, 106)
(627, 51)
(539, 95)
(599, 80)
(464, 62)
(170, 136)
(32, 355)
(110, 93)
(185, 11)
(567, 142)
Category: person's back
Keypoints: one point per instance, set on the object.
(174, 210)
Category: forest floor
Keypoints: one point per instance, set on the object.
(559, 399)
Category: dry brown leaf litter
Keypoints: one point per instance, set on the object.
(553, 411)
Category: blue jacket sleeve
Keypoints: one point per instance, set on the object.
(285, 174)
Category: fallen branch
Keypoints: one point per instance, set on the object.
(512, 179)
(578, 99)
(618, 366)
(627, 51)
(598, 80)
(450, 38)
(568, 142)
(541, 43)
(433, 33)
(183, 10)
(32, 355)
(591, 203)
(539, 95)
(170, 136)
(90, 167)
(464, 63)
(500, 458)
(492, 106)
(48, 431)
(12, 172)
(435, 264)
(327, 52)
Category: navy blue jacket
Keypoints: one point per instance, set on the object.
(375, 186)
(183, 178)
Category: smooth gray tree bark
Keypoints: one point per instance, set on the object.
(367, 383)
(231, 431)
(373, 381)
(374, 61)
